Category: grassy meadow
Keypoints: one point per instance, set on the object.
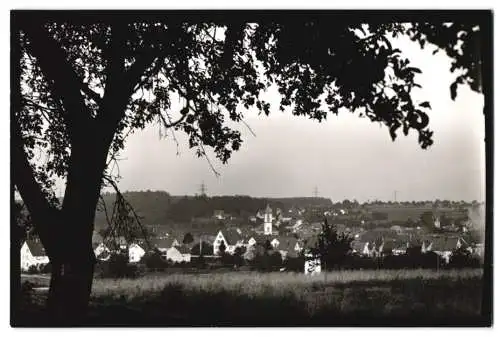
(383, 297)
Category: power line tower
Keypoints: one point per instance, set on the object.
(203, 189)
(315, 192)
(395, 196)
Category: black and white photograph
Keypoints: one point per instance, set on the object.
(251, 168)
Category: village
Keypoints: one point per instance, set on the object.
(287, 232)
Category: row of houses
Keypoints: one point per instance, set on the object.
(441, 245)
(367, 243)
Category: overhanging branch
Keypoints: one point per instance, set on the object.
(64, 81)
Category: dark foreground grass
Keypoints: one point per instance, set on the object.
(374, 298)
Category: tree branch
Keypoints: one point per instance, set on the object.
(91, 93)
(42, 212)
(64, 81)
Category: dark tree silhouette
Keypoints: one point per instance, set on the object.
(222, 249)
(206, 249)
(268, 246)
(332, 247)
(427, 219)
(188, 238)
(83, 83)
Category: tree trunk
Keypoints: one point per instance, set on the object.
(74, 259)
(69, 293)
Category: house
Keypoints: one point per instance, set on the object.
(444, 246)
(185, 253)
(255, 239)
(275, 243)
(116, 243)
(399, 249)
(102, 252)
(387, 247)
(231, 238)
(177, 254)
(32, 254)
(135, 253)
(251, 242)
(288, 244)
(358, 247)
(219, 214)
(370, 249)
(163, 244)
(312, 266)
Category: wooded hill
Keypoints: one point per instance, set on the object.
(161, 208)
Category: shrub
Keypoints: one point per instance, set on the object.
(153, 260)
(295, 264)
(463, 258)
(118, 267)
(268, 261)
(46, 268)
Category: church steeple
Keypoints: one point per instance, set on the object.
(268, 221)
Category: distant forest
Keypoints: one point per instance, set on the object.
(159, 207)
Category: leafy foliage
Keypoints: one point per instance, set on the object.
(217, 71)
(332, 247)
(188, 238)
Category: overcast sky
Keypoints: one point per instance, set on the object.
(345, 157)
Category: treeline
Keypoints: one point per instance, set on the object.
(159, 207)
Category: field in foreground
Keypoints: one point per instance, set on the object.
(396, 297)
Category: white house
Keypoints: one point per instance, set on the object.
(177, 254)
(32, 254)
(275, 243)
(251, 242)
(312, 266)
(231, 238)
(437, 222)
(135, 253)
(102, 252)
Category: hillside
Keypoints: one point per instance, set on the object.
(161, 208)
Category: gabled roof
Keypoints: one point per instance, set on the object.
(36, 248)
(444, 244)
(232, 236)
(358, 245)
(389, 245)
(183, 249)
(136, 245)
(162, 243)
(259, 238)
(311, 241)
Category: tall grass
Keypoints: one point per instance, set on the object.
(349, 298)
(258, 284)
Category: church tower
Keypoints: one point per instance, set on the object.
(268, 221)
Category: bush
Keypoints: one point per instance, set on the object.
(463, 258)
(154, 261)
(46, 268)
(295, 264)
(269, 261)
(118, 267)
